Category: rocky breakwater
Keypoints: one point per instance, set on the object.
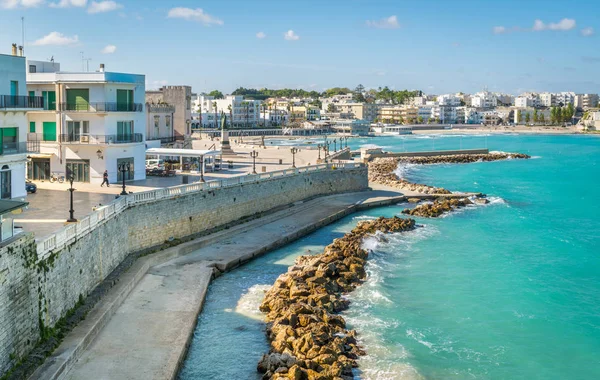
(437, 208)
(461, 158)
(308, 339)
(381, 171)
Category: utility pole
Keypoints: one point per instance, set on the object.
(23, 34)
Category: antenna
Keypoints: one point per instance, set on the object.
(23, 33)
(87, 64)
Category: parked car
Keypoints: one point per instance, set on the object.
(155, 164)
(30, 187)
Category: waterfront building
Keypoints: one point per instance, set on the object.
(398, 114)
(353, 127)
(366, 111)
(525, 101)
(586, 101)
(15, 103)
(240, 112)
(179, 97)
(159, 122)
(473, 116)
(449, 100)
(484, 99)
(305, 113)
(92, 122)
(276, 117)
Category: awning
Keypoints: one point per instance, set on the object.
(7, 206)
(39, 155)
(182, 152)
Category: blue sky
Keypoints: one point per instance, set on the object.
(437, 46)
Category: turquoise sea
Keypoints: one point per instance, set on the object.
(509, 290)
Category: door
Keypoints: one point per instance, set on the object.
(124, 100)
(49, 131)
(49, 100)
(14, 88)
(5, 183)
(127, 164)
(38, 169)
(124, 131)
(78, 99)
(79, 169)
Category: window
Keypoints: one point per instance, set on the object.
(14, 88)
(125, 100)
(124, 131)
(32, 127)
(156, 121)
(5, 183)
(9, 139)
(168, 121)
(49, 100)
(77, 99)
(77, 128)
(49, 131)
(32, 69)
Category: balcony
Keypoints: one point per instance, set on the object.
(12, 102)
(88, 139)
(23, 147)
(102, 107)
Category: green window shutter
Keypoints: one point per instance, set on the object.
(78, 99)
(124, 100)
(32, 127)
(14, 88)
(52, 100)
(31, 93)
(49, 131)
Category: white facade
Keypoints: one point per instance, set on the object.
(15, 102)
(245, 113)
(448, 100)
(484, 99)
(95, 123)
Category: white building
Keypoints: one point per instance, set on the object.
(586, 101)
(93, 121)
(448, 100)
(245, 113)
(15, 102)
(484, 99)
(159, 122)
(523, 102)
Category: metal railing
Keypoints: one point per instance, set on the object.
(101, 107)
(22, 147)
(101, 139)
(69, 233)
(24, 102)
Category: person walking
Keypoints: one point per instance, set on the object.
(105, 179)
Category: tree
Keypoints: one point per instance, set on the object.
(230, 115)
(331, 108)
(400, 120)
(216, 121)
(542, 119)
(420, 120)
(535, 116)
(527, 118)
(358, 96)
(559, 115)
(216, 94)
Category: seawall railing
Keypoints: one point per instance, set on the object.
(74, 231)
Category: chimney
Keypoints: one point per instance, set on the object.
(102, 67)
(14, 49)
(20, 51)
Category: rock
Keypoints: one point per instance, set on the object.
(437, 208)
(481, 201)
(413, 200)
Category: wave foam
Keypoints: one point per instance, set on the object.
(250, 301)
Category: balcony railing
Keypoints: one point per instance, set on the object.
(101, 139)
(23, 102)
(102, 107)
(19, 147)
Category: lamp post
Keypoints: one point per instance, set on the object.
(202, 169)
(319, 147)
(254, 154)
(327, 149)
(334, 145)
(294, 150)
(71, 211)
(124, 168)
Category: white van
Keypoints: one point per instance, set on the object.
(155, 163)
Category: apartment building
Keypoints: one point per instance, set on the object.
(179, 97)
(159, 122)
(240, 113)
(398, 114)
(586, 101)
(484, 99)
(305, 113)
(15, 103)
(92, 122)
(449, 100)
(526, 101)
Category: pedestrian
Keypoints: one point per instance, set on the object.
(105, 179)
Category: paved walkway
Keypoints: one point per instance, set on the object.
(146, 335)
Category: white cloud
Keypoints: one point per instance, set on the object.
(103, 6)
(564, 24)
(12, 4)
(586, 32)
(260, 35)
(385, 23)
(56, 39)
(194, 15)
(69, 3)
(290, 35)
(109, 49)
(499, 29)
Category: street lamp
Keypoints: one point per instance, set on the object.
(327, 149)
(202, 169)
(71, 211)
(319, 147)
(124, 168)
(334, 145)
(254, 154)
(294, 150)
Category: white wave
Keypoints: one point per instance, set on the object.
(535, 157)
(249, 302)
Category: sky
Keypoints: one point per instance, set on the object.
(437, 46)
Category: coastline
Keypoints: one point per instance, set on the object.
(478, 130)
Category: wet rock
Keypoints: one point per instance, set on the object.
(437, 208)
(308, 340)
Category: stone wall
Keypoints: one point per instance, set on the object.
(35, 293)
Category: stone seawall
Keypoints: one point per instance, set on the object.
(36, 294)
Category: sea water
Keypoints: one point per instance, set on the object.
(509, 290)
